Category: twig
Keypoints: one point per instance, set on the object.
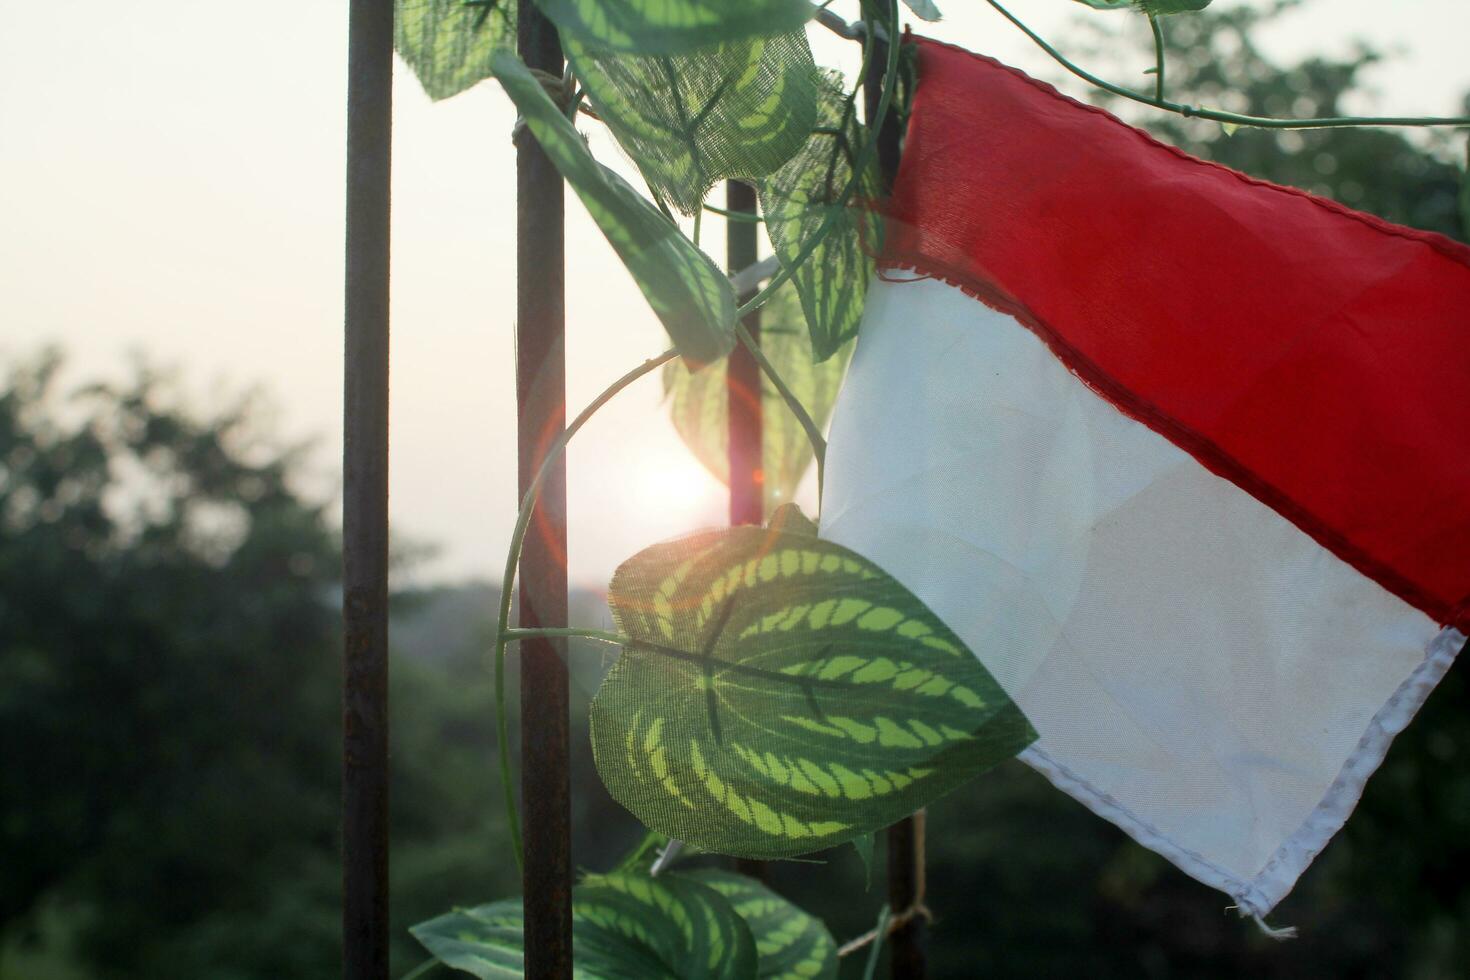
(1189, 111)
(1153, 23)
(507, 582)
(808, 424)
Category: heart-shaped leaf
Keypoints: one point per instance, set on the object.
(672, 26)
(737, 109)
(624, 927)
(449, 43)
(488, 941)
(792, 944)
(797, 200)
(780, 694)
(689, 293)
(700, 402)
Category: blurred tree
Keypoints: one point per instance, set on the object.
(1214, 59)
(169, 703)
(166, 684)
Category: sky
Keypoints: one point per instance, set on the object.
(171, 184)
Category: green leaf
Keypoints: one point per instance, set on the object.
(672, 26)
(780, 694)
(863, 844)
(923, 9)
(634, 926)
(789, 519)
(449, 43)
(488, 940)
(689, 293)
(792, 944)
(736, 109)
(624, 927)
(700, 404)
(796, 201)
(1159, 8)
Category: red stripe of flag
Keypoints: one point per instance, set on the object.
(1317, 357)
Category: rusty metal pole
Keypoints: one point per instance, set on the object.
(365, 494)
(743, 387)
(541, 405)
(743, 375)
(905, 838)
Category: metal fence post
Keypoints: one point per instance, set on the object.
(905, 838)
(743, 376)
(541, 417)
(743, 385)
(365, 494)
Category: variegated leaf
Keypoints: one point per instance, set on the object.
(686, 290)
(700, 402)
(797, 201)
(672, 26)
(736, 109)
(780, 694)
(624, 927)
(792, 945)
(449, 43)
(488, 941)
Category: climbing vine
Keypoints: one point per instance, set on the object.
(775, 693)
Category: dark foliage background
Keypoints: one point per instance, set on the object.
(169, 712)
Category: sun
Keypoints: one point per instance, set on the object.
(676, 488)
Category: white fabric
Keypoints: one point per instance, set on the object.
(1200, 671)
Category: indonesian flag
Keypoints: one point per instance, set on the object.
(1180, 454)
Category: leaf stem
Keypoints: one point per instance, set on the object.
(602, 636)
(422, 969)
(1189, 111)
(651, 839)
(871, 970)
(808, 424)
(870, 147)
(745, 216)
(507, 583)
(1153, 23)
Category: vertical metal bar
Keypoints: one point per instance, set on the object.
(541, 404)
(888, 135)
(743, 386)
(365, 494)
(907, 960)
(905, 838)
(742, 376)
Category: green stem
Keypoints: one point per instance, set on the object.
(1264, 122)
(745, 216)
(602, 636)
(813, 434)
(507, 580)
(1153, 22)
(870, 147)
(422, 969)
(871, 970)
(651, 839)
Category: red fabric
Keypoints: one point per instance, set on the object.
(1317, 357)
